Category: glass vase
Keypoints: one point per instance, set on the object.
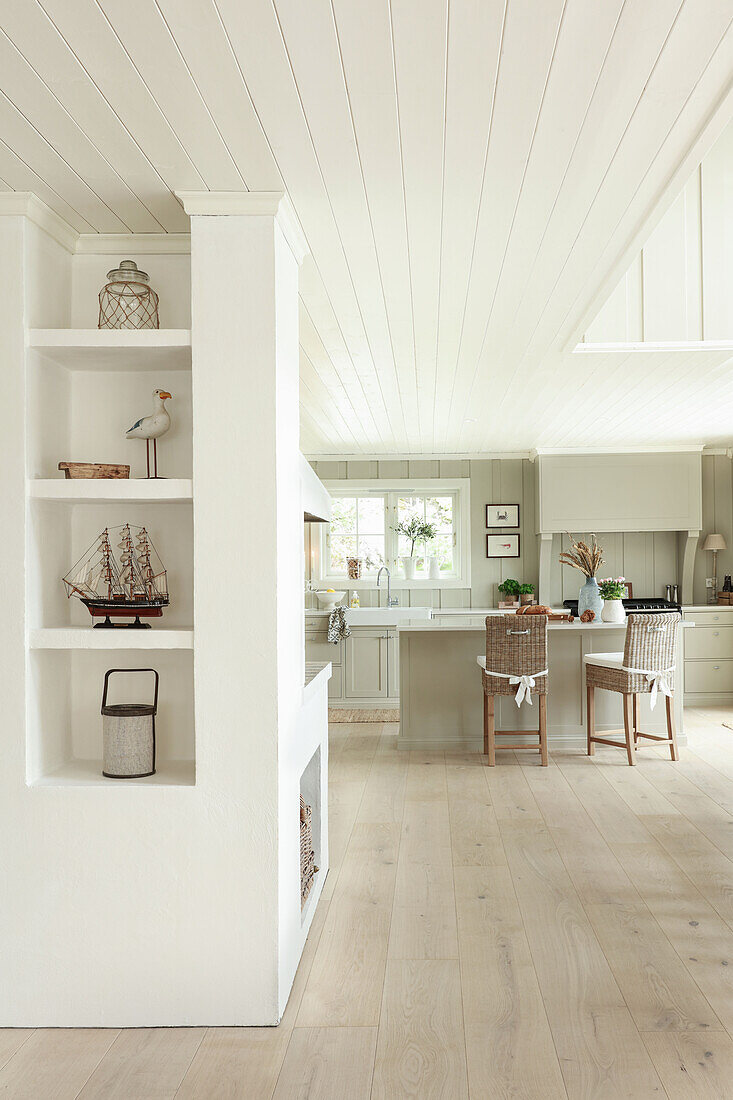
(589, 598)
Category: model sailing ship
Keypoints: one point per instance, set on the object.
(131, 582)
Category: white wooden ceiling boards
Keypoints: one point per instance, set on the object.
(473, 178)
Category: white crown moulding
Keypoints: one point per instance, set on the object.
(275, 204)
(143, 244)
(637, 346)
(610, 449)
(25, 204)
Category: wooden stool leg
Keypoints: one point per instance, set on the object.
(671, 732)
(486, 724)
(543, 729)
(590, 717)
(490, 731)
(636, 717)
(628, 722)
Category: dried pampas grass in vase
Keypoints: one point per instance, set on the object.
(588, 559)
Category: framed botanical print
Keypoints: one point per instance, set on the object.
(502, 515)
(502, 546)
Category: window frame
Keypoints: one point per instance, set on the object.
(459, 488)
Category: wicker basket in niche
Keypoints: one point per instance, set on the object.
(307, 855)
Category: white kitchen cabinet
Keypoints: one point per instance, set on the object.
(366, 664)
(336, 683)
(393, 665)
(709, 656)
(318, 649)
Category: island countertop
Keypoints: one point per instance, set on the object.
(475, 626)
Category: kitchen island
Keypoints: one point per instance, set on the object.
(441, 701)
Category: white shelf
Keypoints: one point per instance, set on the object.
(114, 349)
(111, 490)
(87, 637)
(88, 773)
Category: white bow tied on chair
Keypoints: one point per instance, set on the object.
(524, 689)
(658, 681)
(524, 684)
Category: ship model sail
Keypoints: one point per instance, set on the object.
(121, 580)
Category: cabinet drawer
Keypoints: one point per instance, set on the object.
(713, 676)
(714, 642)
(318, 648)
(722, 615)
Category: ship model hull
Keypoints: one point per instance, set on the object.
(114, 609)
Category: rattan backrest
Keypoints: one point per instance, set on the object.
(651, 641)
(516, 644)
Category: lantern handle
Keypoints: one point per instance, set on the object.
(109, 672)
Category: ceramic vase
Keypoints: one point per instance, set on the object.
(613, 611)
(409, 565)
(434, 569)
(589, 598)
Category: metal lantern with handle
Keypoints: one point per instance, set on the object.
(128, 731)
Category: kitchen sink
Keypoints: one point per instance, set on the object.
(385, 616)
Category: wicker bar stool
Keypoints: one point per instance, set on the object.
(646, 666)
(515, 664)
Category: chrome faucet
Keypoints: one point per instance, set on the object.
(391, 602)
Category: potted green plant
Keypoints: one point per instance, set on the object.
(415, 529)
(510, 589)
(526, 593)
(612, 593)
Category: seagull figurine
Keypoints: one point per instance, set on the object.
(152, 427)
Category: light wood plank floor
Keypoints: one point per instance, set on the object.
(516, 932)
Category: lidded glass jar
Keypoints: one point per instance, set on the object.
(127, 300)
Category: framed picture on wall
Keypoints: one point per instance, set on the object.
(502, 515)
(502, 546)
(628, 591)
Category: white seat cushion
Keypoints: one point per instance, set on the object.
(607, 660)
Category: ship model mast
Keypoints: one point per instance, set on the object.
(133, 582)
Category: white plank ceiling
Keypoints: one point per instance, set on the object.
(470, 176)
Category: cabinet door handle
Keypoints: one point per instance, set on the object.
(716, 667)
(716, 633)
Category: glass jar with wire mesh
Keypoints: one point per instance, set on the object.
(127, 300)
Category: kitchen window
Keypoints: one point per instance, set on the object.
(364, 519)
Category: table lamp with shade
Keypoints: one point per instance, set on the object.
(714, 543)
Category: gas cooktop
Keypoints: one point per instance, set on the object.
(642, 603)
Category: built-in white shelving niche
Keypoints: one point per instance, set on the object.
(104, 491)
(91, 349)
(312, 794)
(59, 534)
(85, 637)
(85, 389)
(82, 398)
(65, 725)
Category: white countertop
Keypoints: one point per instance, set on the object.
(376, 616)
(576, 625)
(708, 607)
(566, 626)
